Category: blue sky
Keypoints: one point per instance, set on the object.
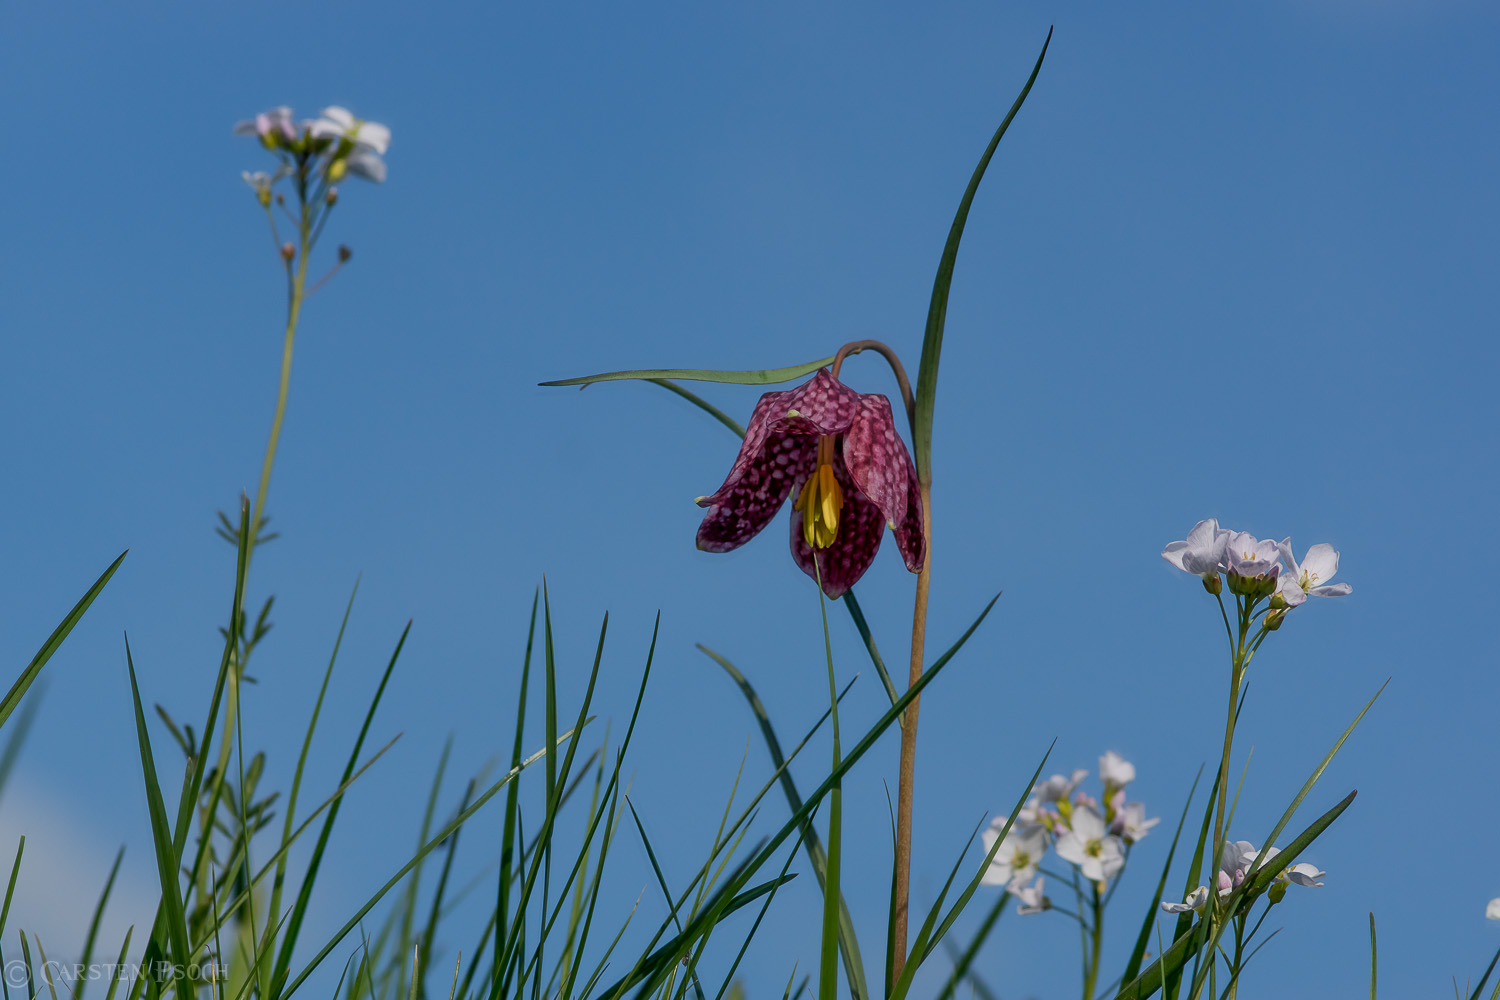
(1226, 264)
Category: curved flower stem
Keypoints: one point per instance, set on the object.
(906, 775)
(855, 346)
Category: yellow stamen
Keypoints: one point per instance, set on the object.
(821, 500)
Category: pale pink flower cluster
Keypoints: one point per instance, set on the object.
(1236, 863)
(346, 144)
(1092, 838)
(1256, 567)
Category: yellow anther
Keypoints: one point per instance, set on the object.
(821, 500)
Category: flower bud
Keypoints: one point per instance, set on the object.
(336, 171)
(1274, 619)
(332, 197)
(344, 254)
(263, 195)
(1253, 587)
(1213, 584)
(1278, 890)
(288, 251)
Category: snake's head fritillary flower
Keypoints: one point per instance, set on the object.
(1252, 564)
(1201, 553)
(837, 452)
(274, 128)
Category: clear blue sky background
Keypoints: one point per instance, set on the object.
(1231, 263)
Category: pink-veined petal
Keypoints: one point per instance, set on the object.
(877, 458)
(741, 508)
(845, 561)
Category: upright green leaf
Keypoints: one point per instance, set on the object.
(937, 311)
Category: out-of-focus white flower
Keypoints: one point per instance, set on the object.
(273, 127)
(1234, 862)
(366, 164)
(1057, 788)
(1017, 857)
(1115, 771)
(1493, 910)
(1130, 822)
(1311, 576)
(1202, 552)
(1031, 897)
(1195, 901)
(340, 123)
(1087, 844)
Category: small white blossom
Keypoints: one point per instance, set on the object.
(339, 123)
(1246, 555)
(1130, 822)
(1493, 910)
(1304, 874)
(1031, 898)
(1195, 901)
(1202, 552)
(1088, 845)
(1057, 788)
(1017, 857)
(1115, 771)
(271, 126)
(1311, 576)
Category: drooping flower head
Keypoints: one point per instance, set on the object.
(838, 451)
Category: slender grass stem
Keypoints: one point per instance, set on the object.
(906, 775)
(829, 965)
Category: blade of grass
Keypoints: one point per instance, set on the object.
(849, 944)
(28, 676)
(966, 957)
(508, 834)
(88, 942)
(937, 312)
(767, 376)
(1373, 963)
(309, 877)
(1143, 940)
(166, 855)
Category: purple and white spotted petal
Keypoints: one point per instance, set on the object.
(740, 509)
(876, 458)
(751, 449)
(861, 526)
(821, 406)
(910, 538)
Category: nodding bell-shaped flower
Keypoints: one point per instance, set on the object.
(837, 452)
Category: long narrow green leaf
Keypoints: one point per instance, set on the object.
(937, 312)
(767, 376)
(1138, 954)
(1181, 950)
(848, 942)
(161, 836)
(1172, 979)
(304, 893)
(1485, 978)
(427, 848)
(508, 835)
(116, 974)
(701, 403)
(1312, 779)
(661, 881)
(1373, 963)
(966, 958)
(88, 942)
(18, 689)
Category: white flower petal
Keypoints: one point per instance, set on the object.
(1320, 564)
(1493, 910)
(1304, 874)
(374, 135)
(1332, 590)
(341, 117)
(1290, 590)
(367, 165)
(1115, 770)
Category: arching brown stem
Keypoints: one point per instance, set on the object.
(884, 350)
